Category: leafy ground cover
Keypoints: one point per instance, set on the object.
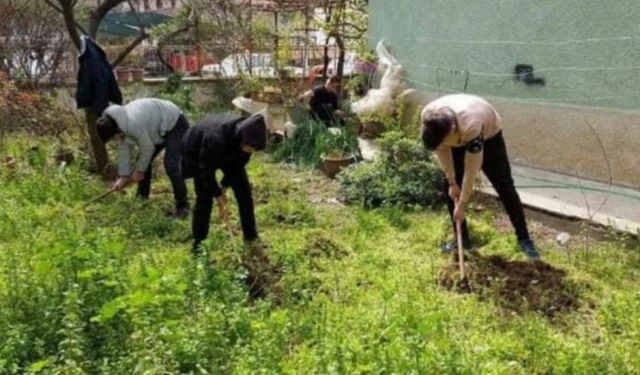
(113, 289)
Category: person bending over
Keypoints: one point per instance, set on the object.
(464, 132)
(222, 142)
(150, 125)
(323, 102)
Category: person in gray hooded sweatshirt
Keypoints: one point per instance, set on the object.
(150, 125)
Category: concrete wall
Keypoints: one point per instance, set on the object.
(586, 60)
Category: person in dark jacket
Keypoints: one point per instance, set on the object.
(97, 87)
(323, 102)
(222, 142)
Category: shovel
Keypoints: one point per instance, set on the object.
(464, 282)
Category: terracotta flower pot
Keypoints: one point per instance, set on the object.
(123, 74)
(331, 164)
(137, 74)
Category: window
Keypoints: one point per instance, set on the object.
(158, 4)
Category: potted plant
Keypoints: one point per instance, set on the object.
(339, 148)
(123, 74)
(334, 161)
(137, 67)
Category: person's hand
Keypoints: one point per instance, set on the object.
(137, 176)
(458, 212)
(454, 192)
(120, 183)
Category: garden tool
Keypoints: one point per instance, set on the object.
(464, 282)
(108, 192)
(227, 221)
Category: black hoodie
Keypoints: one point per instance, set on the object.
(216, 143)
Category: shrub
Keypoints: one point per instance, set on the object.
(404, 174)
(311, 140)
(35, 112)
(182, 95)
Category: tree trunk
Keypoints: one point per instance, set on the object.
(100, 155)
(340, 68)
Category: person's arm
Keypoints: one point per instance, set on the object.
(239, 183)
(444, 155)
(125, 151)
(147, 148)
(472, 164)
(306, 97)
(209, 161)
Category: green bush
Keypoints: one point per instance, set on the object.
(182, 95)
(404, 174)
(311, 140)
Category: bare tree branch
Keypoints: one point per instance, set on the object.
(137, 16)
(70, 21)
(123, 54)
(163, 40)
(98, 14)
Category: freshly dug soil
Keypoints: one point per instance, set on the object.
(263, 278)
(515, 285)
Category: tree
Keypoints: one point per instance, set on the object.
(70, 9)
(346, 21)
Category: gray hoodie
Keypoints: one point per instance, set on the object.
(144, 123)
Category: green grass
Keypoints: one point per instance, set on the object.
(113, 288)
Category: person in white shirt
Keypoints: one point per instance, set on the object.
(464, 133)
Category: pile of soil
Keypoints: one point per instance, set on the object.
(263, 277)
(515, 285)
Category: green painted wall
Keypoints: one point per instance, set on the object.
(588, 51)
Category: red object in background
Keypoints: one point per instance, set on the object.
(191, 64)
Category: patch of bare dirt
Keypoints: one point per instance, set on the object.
(263, 277)
(516, 285)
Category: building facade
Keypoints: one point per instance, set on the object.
(564, 74)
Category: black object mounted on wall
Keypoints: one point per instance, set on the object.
(524, 73)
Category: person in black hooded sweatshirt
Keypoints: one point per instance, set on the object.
(222, 142)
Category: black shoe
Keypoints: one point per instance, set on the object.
(529, 248)
(451, 246)
(178, 213)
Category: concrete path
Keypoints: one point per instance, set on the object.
(573, 197)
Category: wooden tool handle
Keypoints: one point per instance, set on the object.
(460, 249)
(99, 197)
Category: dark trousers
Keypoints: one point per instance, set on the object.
(239, 183)
(172, 158)
(495, 166)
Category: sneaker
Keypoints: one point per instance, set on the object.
(528, 248)
(452, 246)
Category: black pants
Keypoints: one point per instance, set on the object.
(495, 166)
(172, 157)
(239, 183)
